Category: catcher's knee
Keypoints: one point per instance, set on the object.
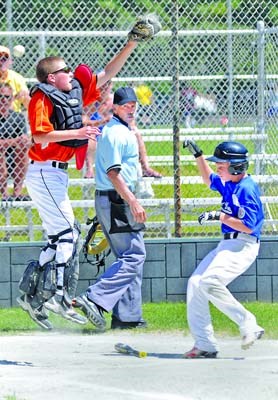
(64, 244)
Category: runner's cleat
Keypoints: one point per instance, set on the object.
(197, 353)
(249, 338)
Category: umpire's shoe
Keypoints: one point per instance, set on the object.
(117, 324)
(57, 305)
(92, 311)
(38, 315)
(197, 353)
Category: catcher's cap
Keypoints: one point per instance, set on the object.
(5, 50)
(124, 95)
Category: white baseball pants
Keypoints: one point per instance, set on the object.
(221, 266)
(48, 188)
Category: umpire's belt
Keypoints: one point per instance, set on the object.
(55, 164)
(113, 195)
(104, 192)
(241, 236)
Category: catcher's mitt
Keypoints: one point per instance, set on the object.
(145, 28)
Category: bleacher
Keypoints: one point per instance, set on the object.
(163, 208)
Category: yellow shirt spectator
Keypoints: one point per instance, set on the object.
(14, 79)
(18, 84)
(144, 95)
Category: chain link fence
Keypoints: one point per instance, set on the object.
(211, 75)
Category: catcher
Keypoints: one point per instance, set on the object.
(55, 117)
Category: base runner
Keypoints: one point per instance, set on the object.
(241, 217)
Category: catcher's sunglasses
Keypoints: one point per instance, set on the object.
(6, 96)
(4, 58)
(66, 70)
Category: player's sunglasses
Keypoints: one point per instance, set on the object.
(6, 96)
(66, 70)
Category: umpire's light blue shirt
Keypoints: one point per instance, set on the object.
(117, 148)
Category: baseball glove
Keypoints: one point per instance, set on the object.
(145, 28)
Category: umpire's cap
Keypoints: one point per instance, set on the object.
(124, 95)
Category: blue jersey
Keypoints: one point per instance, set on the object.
(117, 149)
(240, 200)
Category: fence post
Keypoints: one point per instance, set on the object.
(261, 93)
(230, 67)
(176, 119)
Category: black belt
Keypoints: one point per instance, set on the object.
(104, 192)
(112, 195)
(56, 164)
(242, 236)
(231, 235)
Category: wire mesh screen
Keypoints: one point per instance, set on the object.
(210, 75)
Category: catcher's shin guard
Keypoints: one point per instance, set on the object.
(47, 286)
(71, 273)
(30, 278)
(38, 282)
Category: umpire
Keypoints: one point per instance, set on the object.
(122, 219)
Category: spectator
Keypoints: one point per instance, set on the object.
(14, 143)
(195, 107)
(187, 105)
(122, 219)
(21, 96)
(145, 99)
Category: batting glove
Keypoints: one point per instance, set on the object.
(209, 216)
(193, 148)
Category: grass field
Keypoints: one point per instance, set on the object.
(161, 317)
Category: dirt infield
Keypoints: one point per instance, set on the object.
(56, 366)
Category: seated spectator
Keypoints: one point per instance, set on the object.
(21, 96)
(14, 143)
(195, 107)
